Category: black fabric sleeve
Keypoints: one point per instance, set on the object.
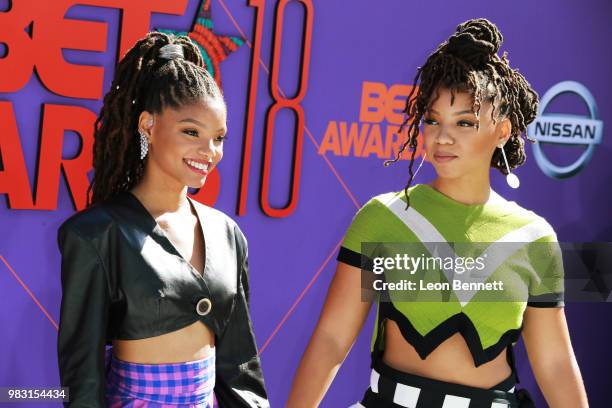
(355, 259)
(547, 300)
(84, 315)
(239, 377)
(361, 233)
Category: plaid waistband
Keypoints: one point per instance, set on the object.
(189, 382)
(390, 388)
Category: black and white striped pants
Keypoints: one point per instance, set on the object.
(390, 388)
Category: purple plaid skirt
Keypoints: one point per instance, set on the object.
(187, 385)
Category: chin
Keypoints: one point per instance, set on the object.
(448, 173)
(197, 184)
(443, 171)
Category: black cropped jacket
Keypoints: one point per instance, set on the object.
(123, 279)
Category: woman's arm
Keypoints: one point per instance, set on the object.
(339, 324)
(84, 314)
(552, 359)
(239, 378)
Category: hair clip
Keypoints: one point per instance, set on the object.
(171, 51)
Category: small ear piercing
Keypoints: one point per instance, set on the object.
(511, 178)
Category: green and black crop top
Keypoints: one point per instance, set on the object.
(532, 273)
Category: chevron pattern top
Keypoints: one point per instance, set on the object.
(520, 250)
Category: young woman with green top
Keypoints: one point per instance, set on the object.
(453, 350)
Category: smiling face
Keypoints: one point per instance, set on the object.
(457, 143)
(185, 143)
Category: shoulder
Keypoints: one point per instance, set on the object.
(371, 223)
(224, 226)
(376, 215)
(383, 206)
(88, 223)
(381, 201)
(219, 220)
(530, 220)
(213, 214)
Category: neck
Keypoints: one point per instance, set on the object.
(465, 190)
(160, 194)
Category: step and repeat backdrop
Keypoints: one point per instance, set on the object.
(315, 91)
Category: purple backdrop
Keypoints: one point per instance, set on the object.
(550, 40)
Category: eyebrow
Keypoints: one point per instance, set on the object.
(463, 112)
(200, 124)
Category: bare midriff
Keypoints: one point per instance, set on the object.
(193, 342)
(451, 361)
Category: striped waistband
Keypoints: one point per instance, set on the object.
(190, 382)
(390, 388)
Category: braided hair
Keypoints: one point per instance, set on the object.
(145, 80)
(468, 62)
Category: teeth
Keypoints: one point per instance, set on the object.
(197, 165)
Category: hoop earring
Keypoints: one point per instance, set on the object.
(144, 144)
(511, 178)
